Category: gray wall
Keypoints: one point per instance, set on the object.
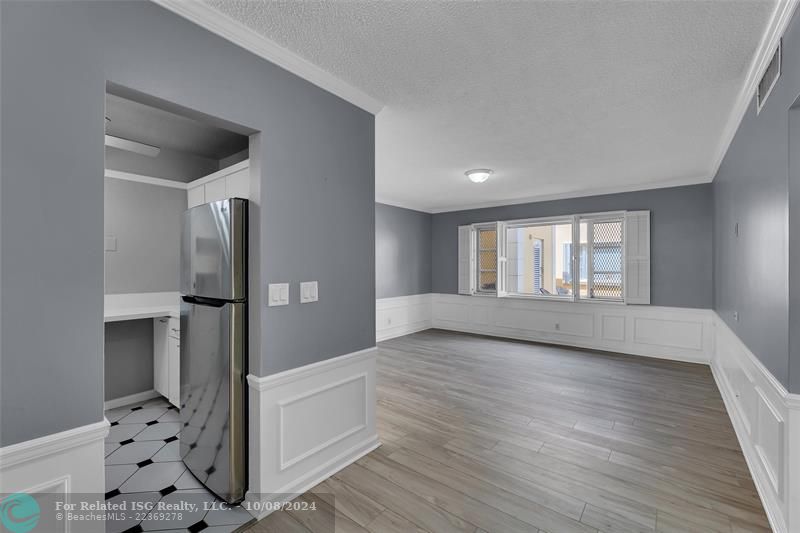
(128, 358)
(316, 199)
(169, 164)
(750, 271)
(238, 157)
(146, 220)
(794, 247)
(402, 251)
(680, 238)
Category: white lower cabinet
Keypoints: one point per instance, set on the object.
(167, 358)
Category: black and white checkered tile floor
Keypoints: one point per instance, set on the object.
(143, 464)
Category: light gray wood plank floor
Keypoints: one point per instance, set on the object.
(491, 435)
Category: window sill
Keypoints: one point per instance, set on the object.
(552, 299)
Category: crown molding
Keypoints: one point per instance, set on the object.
(775, 29)
(401, 205)
(224, 26)
(680, 182)
(220, 24)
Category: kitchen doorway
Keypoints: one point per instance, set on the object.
(161, 160)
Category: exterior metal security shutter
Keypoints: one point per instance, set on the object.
(637, 257)
(537, 266)
(466, 260)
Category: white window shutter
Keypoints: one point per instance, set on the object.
(637, 257)
(466, 260)
(502, 260)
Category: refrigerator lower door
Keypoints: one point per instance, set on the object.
(213, 435)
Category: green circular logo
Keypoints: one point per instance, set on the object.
(19, 513)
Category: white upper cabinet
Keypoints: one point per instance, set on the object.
(237, 185)
(215, 190)
(196, 195)
(231, 182)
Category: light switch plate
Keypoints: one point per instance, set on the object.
(110, 243)
(308, 292)
(278, 294)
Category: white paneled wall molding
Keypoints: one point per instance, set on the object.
(767, 422)
(681, 334)
(308, 423)
(402, 315)
(67, 462)
(665, 332)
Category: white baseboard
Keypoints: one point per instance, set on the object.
(402, 315)
(308, 423)
(68, 462)
(132, 398)
(766, 419)
(262, 505)
(674, 333)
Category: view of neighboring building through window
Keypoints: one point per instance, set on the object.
(536, 262)
(541, 260)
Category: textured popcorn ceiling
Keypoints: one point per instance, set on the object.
(556, 97)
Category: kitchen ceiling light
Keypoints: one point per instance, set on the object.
(132, 146)
(479, 175)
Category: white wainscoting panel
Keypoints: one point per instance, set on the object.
(71, 461)
(766, 419)
(308, 423)
(333, 423)
(612, 328)
(402, 315)
(665, 332)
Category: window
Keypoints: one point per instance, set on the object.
(603, 257)
(487, 258)
(537, 262)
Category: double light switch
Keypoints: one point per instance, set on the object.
(278, 293)
(308, 292)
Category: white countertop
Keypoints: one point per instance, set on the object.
(134, 306)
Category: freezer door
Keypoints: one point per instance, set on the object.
(214, 250)
(213, 435)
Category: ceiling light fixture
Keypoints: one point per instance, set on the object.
(132, 146)
(479, 175)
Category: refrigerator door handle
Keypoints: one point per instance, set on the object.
(199, 300)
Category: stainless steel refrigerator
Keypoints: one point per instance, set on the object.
(213, 436)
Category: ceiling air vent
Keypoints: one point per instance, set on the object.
(769, 78)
